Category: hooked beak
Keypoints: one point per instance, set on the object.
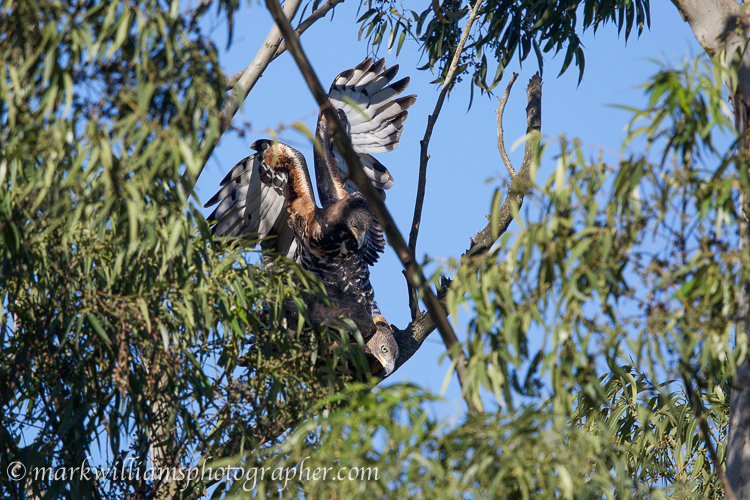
(360, 238)
(388, 367)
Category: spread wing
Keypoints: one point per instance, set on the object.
(265, 195)
(367, 106)
(365, 100)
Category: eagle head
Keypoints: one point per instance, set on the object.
(358, 220)
(383, 347)
(345, 224)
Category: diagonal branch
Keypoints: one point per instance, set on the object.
(303, 26)
(425, 142)
(242, 87)
(411, 338)
(413, 271)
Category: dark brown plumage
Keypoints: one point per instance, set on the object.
(381, 348)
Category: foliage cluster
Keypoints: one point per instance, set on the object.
(505, 28)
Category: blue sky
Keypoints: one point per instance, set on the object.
(463, 148)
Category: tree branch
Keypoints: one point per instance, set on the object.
(244, 85)
(723, 25)
(424, 157)
(303, 26)
(411, 338)
(500, 139)
(356, 174)
(483, 240)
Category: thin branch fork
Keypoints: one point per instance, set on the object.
(500, 139)
(411, 339)
(424, 157)
(483, 240)
(414, 273)
(303, 26)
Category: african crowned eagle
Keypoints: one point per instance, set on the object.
(269, 194)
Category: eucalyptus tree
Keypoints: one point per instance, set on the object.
(130, 335)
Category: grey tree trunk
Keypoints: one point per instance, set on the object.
(721, 25)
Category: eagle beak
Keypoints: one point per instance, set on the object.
(360, 238)
(388, 367)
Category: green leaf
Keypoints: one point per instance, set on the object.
(97, 327)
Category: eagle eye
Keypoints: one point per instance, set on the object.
(384, 349)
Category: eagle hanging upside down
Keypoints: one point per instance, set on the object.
(269, 193)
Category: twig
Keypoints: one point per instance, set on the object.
(706, 433)
(500, 140)
(411, 338)
(483, 240)
(232, 80)
(303, 26)
(424, 157)
(356, 174)
(245, 84)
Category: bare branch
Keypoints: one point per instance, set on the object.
(414, 273)
(424, 157)
(483, 240)
(244, 85)
(303, 26)
(312, 18)
(500, 140)
(232, 80)
(411, 338)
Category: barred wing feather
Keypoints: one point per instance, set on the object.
(260, 194)
(374, 119)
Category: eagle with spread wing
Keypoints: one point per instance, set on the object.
(268, 195)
